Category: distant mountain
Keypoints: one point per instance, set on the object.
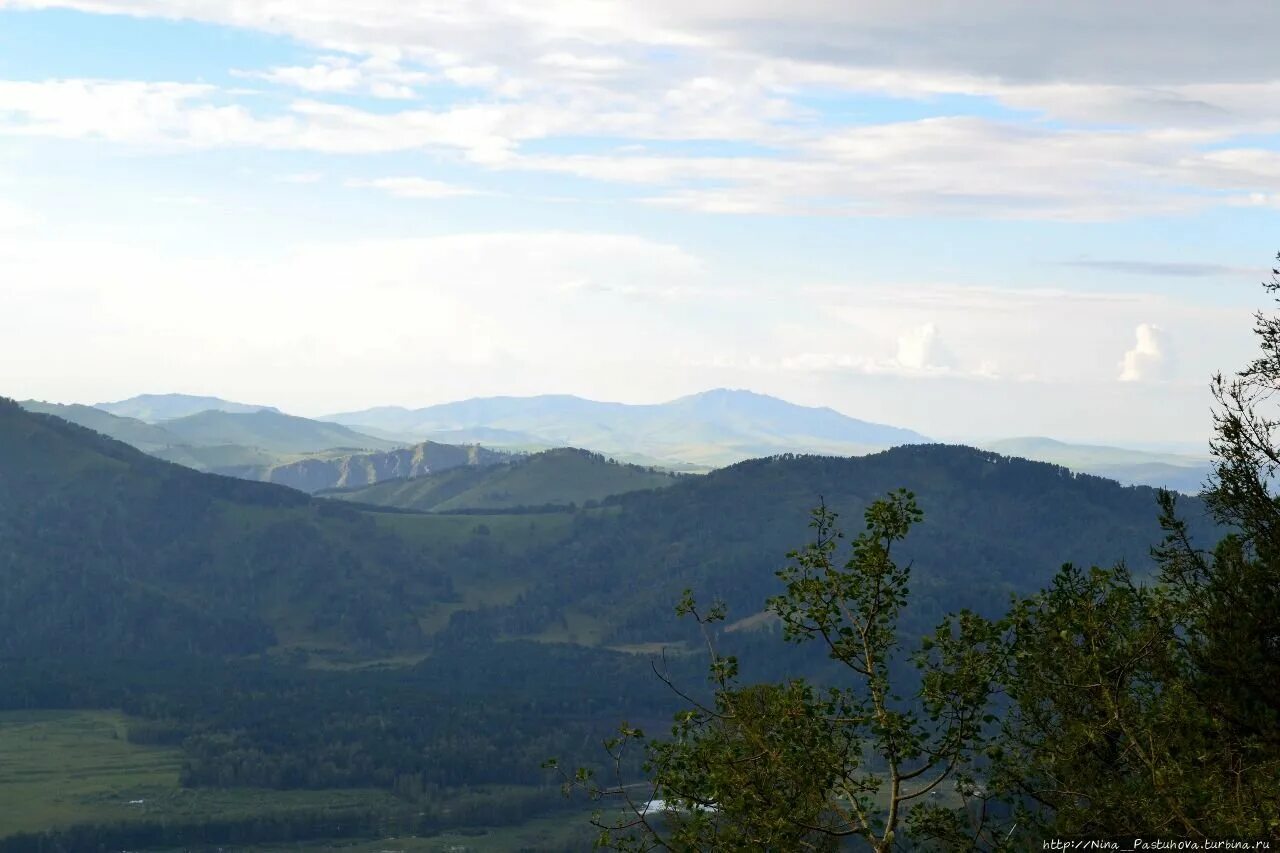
(712, 428)
(270, 430)
(108, 551)
(364, 469)
(140, 434)
(1180, 472)
(163, 407)
(554, 477)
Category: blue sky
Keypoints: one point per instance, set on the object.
(973, 221)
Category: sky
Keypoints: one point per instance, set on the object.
(974, 219)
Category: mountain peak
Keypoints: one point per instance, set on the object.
(163, 407)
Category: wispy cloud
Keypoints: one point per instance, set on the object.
(1175, 269)
(412, 187)
(1136, 131)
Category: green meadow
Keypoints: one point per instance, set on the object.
(59, 768)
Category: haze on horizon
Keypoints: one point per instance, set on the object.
(968, 219)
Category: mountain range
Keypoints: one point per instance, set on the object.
(1180, 472)
(690, 434)
(114, 550)
(713, 428)
(163, 407)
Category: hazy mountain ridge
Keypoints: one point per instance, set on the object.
(1177, 471)
(713, 428)
(270, 430)
(163, 407)
(717, 427)
(139, 433)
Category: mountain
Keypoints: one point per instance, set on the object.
(712, 428)
(108, 551)
(1179, 472)
(270, 430)
(551, 478)
(265, 445)
(140, 434)
(993, 527)
(163, 407)
(351, 471)
(108, 548)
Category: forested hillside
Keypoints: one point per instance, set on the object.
(557, 478)
(108, 550)
(993, 526)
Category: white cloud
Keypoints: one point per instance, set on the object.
(568, 69)
(1148, 358)
(412, 187)
(919, 349)
(301, 178)
(377, 76)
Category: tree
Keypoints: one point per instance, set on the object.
(1155, 708)
(1133, 705)
(798, 767)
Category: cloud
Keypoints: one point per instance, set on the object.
(376, 76)
(1148, 359)
(301, 178)
(1088, 41)
(1175, 269)
(1137, 131)
(919, 349)
(387, 312)
(411, 187)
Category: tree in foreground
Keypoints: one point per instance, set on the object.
(1129, 705)
(797, 767)
(1155, 708)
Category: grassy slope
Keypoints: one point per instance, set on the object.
(61, 768)
(217, 456)
(560, 476)
(270, 431)
(66, 767)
